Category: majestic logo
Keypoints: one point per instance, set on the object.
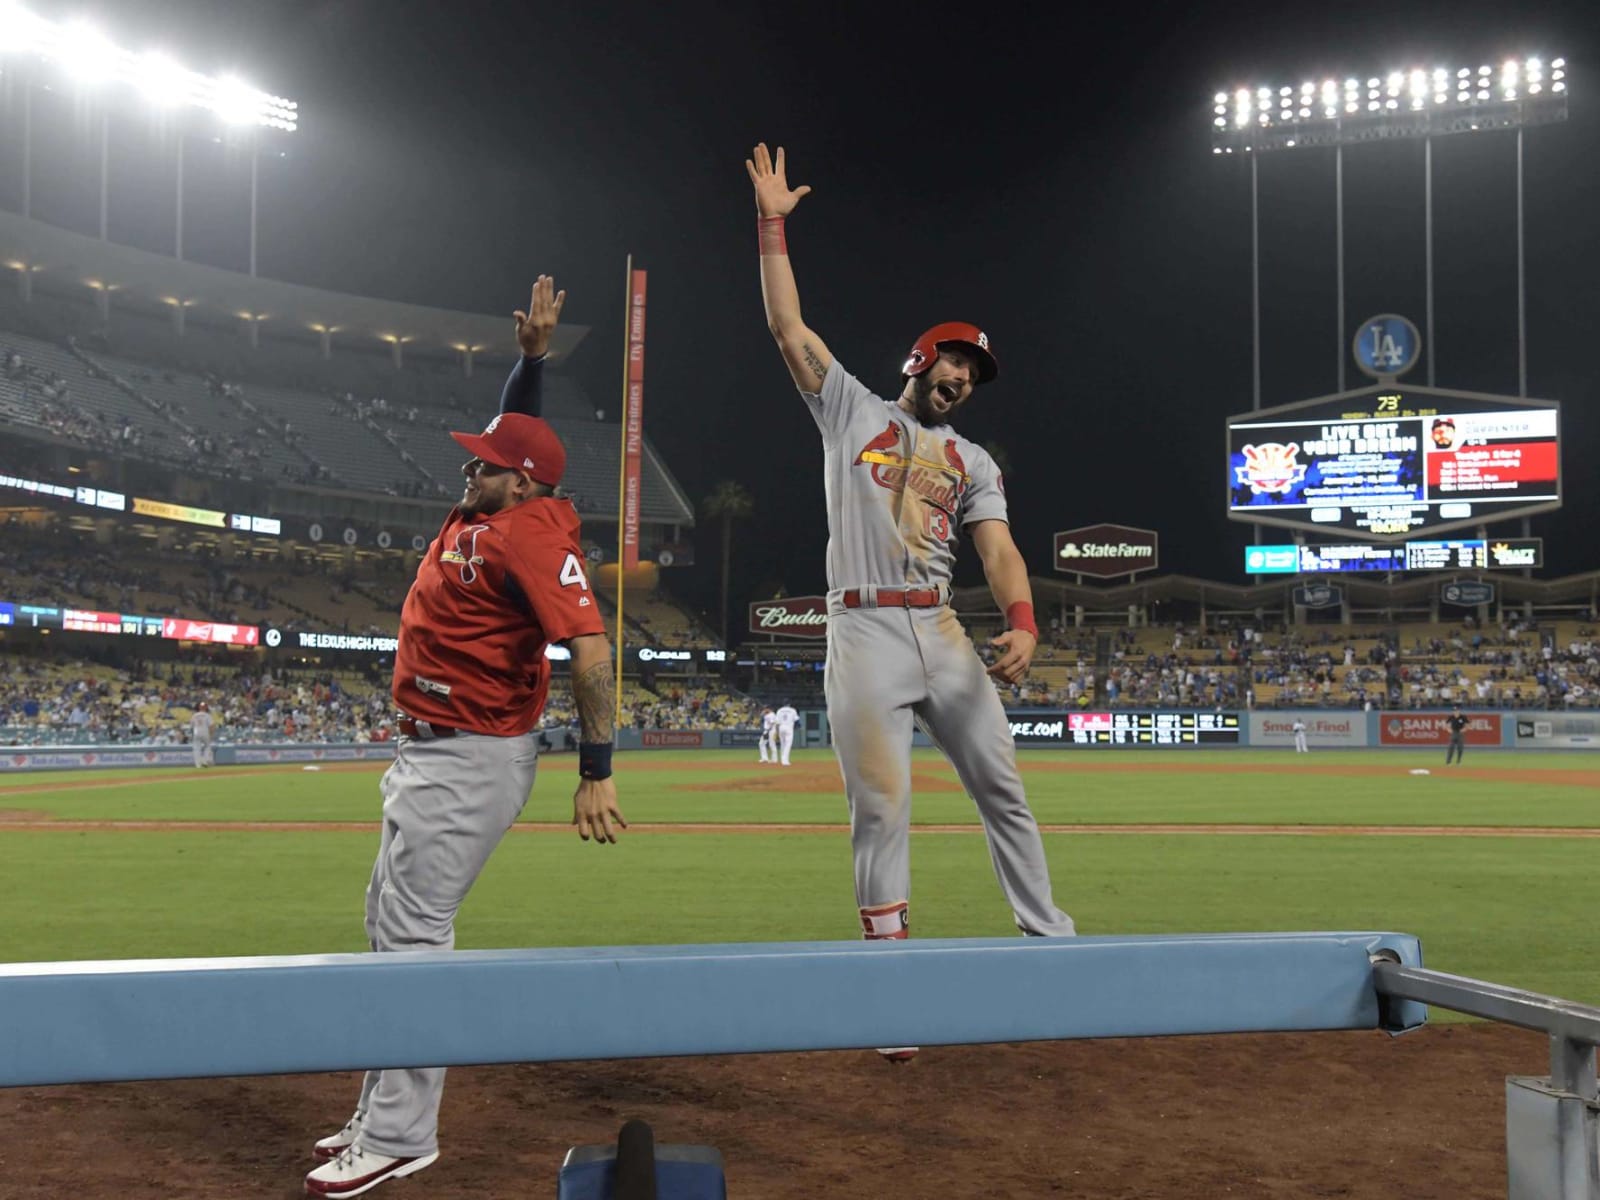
(796, 616)
(1271, 468)
(466, 557)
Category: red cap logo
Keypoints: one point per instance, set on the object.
(522, 443)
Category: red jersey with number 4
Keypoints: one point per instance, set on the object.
(491, 592)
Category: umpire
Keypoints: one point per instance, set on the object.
(1458, 735)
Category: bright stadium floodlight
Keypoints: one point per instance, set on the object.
(89, 58)
(1404, 102)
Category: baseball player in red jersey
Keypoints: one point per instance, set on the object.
(503, 580)
(902, 486)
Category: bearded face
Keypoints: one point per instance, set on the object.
(934, 396)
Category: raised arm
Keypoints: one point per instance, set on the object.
(524, 389)
(808, 359)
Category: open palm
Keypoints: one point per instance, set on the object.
(774, 197)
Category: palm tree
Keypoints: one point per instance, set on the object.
(731, 501)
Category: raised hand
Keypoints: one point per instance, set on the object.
(774, 198)
(535, 326)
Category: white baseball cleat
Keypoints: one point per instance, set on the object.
(336, 1143)
(356, 1170)
(899, 1055)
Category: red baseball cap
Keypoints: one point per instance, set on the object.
(522, 443)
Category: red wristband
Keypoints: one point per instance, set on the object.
(1020, 616)
(769, 233)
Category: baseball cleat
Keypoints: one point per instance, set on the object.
(899, 1055)
(336, 1143)
(355, 1170)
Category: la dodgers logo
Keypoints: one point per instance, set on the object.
(466, 557)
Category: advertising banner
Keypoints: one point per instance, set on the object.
(1557, 731)
(1429, 729)
(1319, 595)
(1467, 593)
(794, 616)
(183, 630)
(1325, 730)
(633, 434)
(1106, 551)
(676, 739)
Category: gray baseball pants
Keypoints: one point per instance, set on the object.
(447, 802)
(887, 669)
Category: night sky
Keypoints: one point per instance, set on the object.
(1050, 180)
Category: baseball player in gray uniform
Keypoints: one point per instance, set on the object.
(902, 486)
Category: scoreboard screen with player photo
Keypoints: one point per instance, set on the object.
(1388, 461)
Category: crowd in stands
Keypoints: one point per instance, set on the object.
(69, 701)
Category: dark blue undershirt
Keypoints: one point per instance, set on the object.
(524, 390)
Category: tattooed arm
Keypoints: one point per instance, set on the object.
(594, 805)
(804, 352)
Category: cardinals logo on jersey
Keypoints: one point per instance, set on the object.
(465, 556)
(887, 462)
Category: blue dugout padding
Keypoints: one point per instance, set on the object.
(76, 1022)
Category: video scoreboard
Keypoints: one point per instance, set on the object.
(1393, 459)
(1128, 727)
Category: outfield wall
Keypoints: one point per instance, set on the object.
(1326, 729)
(45, 758)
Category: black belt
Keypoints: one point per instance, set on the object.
(423, 729)
(895, 598)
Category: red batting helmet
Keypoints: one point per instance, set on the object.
(958, 333)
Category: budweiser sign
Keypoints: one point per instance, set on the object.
(796, 616)
(1106, 551)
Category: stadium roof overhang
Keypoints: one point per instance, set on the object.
(60, 260)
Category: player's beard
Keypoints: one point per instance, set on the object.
(482, 503)
(922, 403)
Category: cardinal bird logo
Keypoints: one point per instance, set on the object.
(1271, 468)
(883, 454)
(953, 457)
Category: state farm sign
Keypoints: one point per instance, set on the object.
(1106, 551)
(796, 616)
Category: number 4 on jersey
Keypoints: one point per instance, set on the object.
(572, 573)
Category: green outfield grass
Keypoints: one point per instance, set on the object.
(1514, 909)
(1184, 787)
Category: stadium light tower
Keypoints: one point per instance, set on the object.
(88, 59)
(1412, 102)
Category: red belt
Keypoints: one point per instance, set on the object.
(896, 598)
(423, 729)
